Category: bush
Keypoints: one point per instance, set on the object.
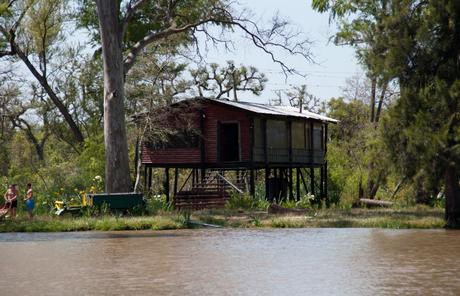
(246, 202)
(305, 202)
(157, 203)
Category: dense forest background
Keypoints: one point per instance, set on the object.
(399, 134)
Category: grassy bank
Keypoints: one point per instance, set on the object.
(418, 217)
(106, 223)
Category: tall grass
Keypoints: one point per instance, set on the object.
(106, 223)
(246, 202)
(414, 217)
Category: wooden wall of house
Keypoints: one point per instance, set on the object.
(216, 113)
(303, 131)
(170, 155)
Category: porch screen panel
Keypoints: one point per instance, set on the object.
(317, 136)
(298, 135)
(277, 141)
(258, 152)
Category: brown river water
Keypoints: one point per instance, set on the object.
(232, 262)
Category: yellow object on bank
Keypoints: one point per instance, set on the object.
(59, 204)
(86, 200)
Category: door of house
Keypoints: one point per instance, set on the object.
(229, 142)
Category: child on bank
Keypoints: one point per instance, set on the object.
(29, 200)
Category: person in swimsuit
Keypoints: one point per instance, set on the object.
(30, 203)
(11, 198)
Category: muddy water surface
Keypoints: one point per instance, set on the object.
(232, 262)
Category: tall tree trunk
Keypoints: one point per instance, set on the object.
(380, 104)
(398, 187)
(117, 177)
(373, 186)
(373, 94)
(360, 188)
(452, 191)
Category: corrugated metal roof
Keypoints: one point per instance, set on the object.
(276, 110)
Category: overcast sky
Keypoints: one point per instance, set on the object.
(324, 79)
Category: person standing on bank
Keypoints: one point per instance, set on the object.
(11, 198)
(30, 203)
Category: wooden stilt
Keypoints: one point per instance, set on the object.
(150, 178)
(297, 184)
(166, 184)
(303, 181)
(145, 177)
(252, 185)
(176, 176)
(203, 174)
(321, 183)
(267, 175)
(193, 177)
(312, 181)
(276, 182)
(291, 191)
(325, 185)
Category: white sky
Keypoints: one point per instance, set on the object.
(333, 64)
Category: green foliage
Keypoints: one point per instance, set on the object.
(246, 202)
(305, 202)
(156, 203)
(423, 126)
(106, 223)
(44, 20)
(359, 25)
(154, 16)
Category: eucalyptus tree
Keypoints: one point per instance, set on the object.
(31, 32)
(126, 28)
(360, 25)
(423, 126)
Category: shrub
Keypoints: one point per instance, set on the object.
(156, 203)
(246, 202)
(305, 202)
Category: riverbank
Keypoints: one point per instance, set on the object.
(417, 217)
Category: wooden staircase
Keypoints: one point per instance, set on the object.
(212, 192)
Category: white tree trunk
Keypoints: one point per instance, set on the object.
(117, 177)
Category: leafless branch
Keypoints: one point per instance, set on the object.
(278, 37)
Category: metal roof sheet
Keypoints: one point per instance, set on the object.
(275, 110)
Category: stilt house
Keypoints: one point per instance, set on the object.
(248, 138)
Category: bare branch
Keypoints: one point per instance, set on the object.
(262, 39)
(155, 36)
